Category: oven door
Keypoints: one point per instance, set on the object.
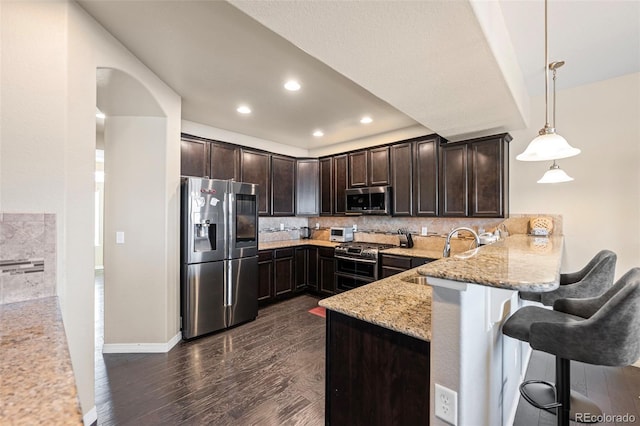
(353, 272)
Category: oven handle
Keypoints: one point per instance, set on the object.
(355, 259)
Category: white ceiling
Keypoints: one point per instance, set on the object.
(457, 68)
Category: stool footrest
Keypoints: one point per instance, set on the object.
(542, 395)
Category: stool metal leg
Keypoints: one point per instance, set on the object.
(563, 389)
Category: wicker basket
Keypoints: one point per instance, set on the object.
(541, 225)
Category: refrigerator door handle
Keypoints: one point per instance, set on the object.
(228, 287)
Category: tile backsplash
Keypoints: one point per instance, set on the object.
(27, 256)
(373, 228)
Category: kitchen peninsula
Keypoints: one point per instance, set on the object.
(455, 320)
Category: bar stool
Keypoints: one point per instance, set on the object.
(602, 330)
(590, 281)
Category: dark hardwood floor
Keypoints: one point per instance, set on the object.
(267, 372)
(271, 372)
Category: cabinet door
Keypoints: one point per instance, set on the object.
(265, 276)
(301, 260)
(312, 268)
(402, 179)
(326, 271)
(358, 169)
(379, 166)
(340, 182)
(425, 179)
(256, 168)
(225, 161)
(307, 185)
(283, 275)
(283, 172)
(326, 186)
(453, 179)
(194, 158)
(487, 178)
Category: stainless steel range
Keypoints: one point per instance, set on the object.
(357, 264)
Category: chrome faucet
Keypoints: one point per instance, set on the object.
(447, 244)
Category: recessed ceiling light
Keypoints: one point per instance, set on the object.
(366, 119)
(243, 109)
(318, 133)
(292, 86)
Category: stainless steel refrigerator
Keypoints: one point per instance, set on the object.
(219, 255)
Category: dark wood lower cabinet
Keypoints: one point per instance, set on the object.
(289, 271)
(283, 278)
(326, 271)
(265, 276)
(392, 264)
(374, 376)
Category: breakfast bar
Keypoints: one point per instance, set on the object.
(460, 313)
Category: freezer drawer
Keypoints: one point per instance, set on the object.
(243, 299)
(203, 299)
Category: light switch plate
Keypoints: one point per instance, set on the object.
(446, 401)
(119, 237)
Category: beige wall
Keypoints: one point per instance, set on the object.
(601, 208)
(50, 53)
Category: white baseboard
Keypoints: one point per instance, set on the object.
(91, 417)
(141, 348)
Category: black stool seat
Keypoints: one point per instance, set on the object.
(591, 281)
(602, 330)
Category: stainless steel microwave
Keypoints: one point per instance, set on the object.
(371, 200)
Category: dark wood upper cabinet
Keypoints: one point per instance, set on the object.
(225, 161)
(256, 168)
(326, 186)
(283, 186)
(194, 158)
(425, 180)
(489, 177)
(402, 179)
(358, 169)
(378, 166)
(454, 180)
(307, 186)
(475, 177)
(340, 182)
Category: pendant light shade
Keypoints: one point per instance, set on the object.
(549, 146)
(555, 175)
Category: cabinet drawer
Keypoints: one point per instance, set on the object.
(280, 253)
(265, 256)
(419, 261)
(325, 252)
(396, 261)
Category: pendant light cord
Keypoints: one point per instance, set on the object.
(546, 66)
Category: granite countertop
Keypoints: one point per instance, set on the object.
(390, 303)
(37, 385)
(414, 252)
(270, 245)
(520, 262)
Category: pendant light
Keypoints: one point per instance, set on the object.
(555, 174)
(548, 145)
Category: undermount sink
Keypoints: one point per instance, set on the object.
(416, 279)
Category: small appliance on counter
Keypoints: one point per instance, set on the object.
(406, 241)
(341, 234)
(305, 232)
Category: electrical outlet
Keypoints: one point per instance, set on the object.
(446, 404)
(424, 231)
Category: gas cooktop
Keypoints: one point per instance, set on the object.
(361, 249)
